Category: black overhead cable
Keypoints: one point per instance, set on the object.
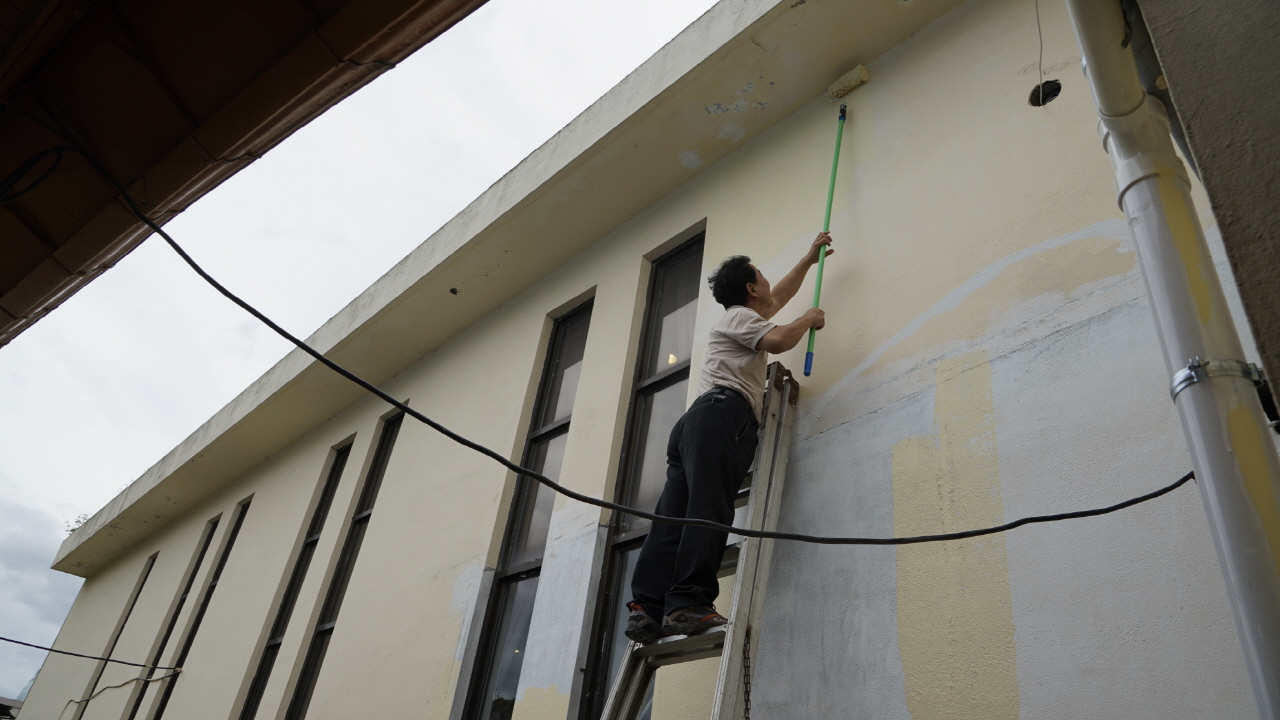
(8, 194)
(90, 657)
(133, 208)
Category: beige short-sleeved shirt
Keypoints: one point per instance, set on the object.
(732, 358)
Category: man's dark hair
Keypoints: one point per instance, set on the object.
(729, 281)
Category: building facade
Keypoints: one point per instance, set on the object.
(989, 354)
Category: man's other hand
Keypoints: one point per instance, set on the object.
(814, 318)
(784, 337)
(823, 240)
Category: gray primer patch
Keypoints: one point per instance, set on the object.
(829, 642)
(465, 598)
(559, 608)
(1129, 606)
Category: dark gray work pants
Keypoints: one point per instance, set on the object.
(708, 455)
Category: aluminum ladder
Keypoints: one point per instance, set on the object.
(762, 496)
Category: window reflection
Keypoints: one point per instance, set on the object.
(661, 411)
(508, 658)
(531, 539)
(626, 566)
(676, 312)
(563, 382)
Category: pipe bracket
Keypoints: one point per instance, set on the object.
(1197, 370)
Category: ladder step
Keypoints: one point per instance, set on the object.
(683, 648)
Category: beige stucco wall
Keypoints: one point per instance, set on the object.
(987, 356)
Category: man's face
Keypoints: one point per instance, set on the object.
(761, 286)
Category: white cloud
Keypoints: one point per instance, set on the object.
(33, 598)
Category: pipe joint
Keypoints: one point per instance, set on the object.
(1140, 146)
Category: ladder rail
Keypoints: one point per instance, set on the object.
(623, 702)
(752, 574)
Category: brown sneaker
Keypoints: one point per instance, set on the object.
(690, 620)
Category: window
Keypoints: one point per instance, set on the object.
(497, 673)
(299, 573)
(658, 400)
(172, 682)
(173, 617)
(115, 636)
(323, 632)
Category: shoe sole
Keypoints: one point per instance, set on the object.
(643, 634)
(690, 628)
(643, 637)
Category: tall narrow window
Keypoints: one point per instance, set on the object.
(172, 682)
(658, 400)
(323, 632)
(173, 618)
(115, 636)
(299, 573)
(493, 687)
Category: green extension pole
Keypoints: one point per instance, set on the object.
(826, 226)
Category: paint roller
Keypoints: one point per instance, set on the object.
(846, 84)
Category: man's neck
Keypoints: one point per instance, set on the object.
(758, 304)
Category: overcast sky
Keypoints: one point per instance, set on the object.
(102, 388)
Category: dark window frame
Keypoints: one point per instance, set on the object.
(620, 539)
(130, 604)
(171, 623)
(645, 385)
(188, 641)
(508, 575)
(316, 646)
(293, 587)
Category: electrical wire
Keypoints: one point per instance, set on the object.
(133, 208)
(1040, 62)
(88, 657)
(113, 687)
(6, 185)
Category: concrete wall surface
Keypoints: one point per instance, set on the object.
(1218, 59)
(989, 355)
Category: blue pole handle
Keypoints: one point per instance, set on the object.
(808, 363)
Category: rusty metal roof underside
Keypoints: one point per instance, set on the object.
(172, 98)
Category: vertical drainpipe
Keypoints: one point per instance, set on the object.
(1214, 389)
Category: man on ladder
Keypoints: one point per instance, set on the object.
(711, 448)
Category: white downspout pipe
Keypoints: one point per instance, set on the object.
(1231, 446)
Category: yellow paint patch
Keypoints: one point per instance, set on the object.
(955, 615)
(1250, 447)
(1060, 271)
(1185, 228)
(542, 704)
(686, 691)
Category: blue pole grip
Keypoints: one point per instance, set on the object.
(808, 363)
